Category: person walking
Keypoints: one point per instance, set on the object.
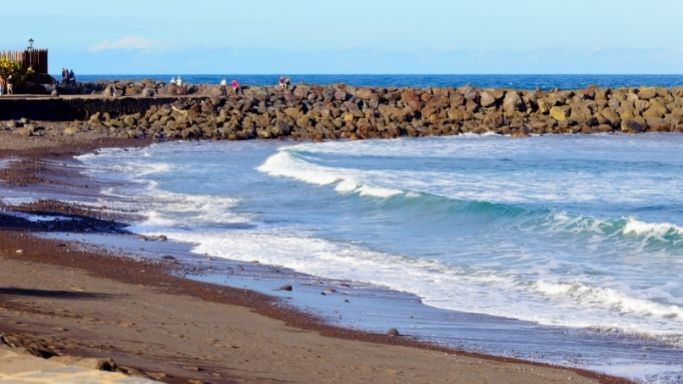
(10, 87)
(223, 87)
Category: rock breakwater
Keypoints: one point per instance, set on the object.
(344, 112)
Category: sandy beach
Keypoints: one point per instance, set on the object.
(349, 192)
(59, 299)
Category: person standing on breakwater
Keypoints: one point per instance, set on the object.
(283, 82)
(172, 81)
(179, 82)
(2, 85)
(10, 87)
(235, 86)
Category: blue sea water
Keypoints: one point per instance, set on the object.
(421, 81)
(582, 233)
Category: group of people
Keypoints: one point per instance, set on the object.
(233, 84)
(68, 76)
(283, 82)
(6, 85)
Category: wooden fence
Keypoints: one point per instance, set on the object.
(34, 58)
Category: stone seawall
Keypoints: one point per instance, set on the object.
(333, 112)
(75, 108)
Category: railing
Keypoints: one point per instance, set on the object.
(33, 58)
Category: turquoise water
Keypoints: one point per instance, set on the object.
(569, 232)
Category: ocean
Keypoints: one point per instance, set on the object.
(531, 81)
(563, 249)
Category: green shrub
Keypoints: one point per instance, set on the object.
(19, 74)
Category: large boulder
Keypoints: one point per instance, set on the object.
(512, 103)
(365, 93)
(675, 117)
(435, 105)
(392, 113)
(632, 97)
(411, 100)
(581, 114)
(458, 114)
(293, 112)
(30, 129)
(487, 99)
(544, 105)
(611, 117)
(640, 106)
(602, 94)
(655, 109)
(132, 90)
(588, 93)
(341, 95)
(627, 110)
(457, 99)
(559, 113)
(658, 124)
(147, 92)
(71, 129)
(108, 91)
(647, 93)
(632, 125)
(301, 91)
(469, 93)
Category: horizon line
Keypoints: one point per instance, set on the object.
(378, 74)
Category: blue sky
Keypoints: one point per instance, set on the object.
(351, 36)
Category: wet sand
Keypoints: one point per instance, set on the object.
(57, 298)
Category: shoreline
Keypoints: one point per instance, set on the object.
(264, 305)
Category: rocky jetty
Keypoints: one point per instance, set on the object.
(345, 112)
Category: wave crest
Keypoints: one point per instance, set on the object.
(286, 164)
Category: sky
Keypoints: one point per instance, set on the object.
(351, 36)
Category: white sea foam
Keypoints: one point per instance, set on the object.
(521, 184)
(284, 164)
(4, 163)
(18, 200)
(166, 209)
(608, 298)
(659, 230)
(36, 218)
(478, 291)
(132, 167)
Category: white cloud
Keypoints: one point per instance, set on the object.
(128, 43)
